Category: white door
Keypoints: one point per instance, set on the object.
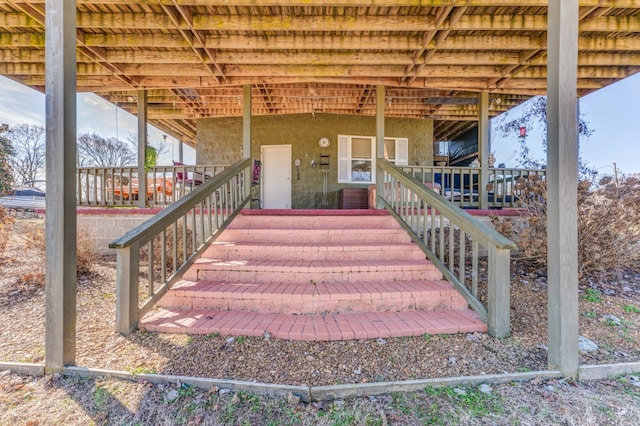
(276, 176)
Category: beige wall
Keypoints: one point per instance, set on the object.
(107, 227)
(219, 141)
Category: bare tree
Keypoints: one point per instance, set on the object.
(160, 147)
(28, 159)
(96, 151)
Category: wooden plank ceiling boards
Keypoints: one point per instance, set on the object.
(434, 57)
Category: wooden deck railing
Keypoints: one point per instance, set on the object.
(471, 255)
(118, 186)
(461, 185)
(152, 256)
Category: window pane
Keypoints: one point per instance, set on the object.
(361, 148)
(360, 171)
(390, 149)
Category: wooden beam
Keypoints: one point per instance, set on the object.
(380, 134)
(142, 147)
(328, 23)
(60, 220)
(562, 179)
(246, 123)
(624, 4)
(484, 149)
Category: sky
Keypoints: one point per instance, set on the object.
(612, 113)
(20, 104)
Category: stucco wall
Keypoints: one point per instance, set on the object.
(219, 140)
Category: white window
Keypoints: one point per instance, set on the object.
(396, 150)
(357, 157)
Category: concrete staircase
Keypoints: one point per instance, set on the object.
(313, 275)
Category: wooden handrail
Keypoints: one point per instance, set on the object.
(427, 217)
(472, 225)
(181, 232)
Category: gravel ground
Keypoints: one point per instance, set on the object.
(297, 363)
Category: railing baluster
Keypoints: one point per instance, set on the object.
(452, 247)
(150, 279)
(175, 246)
(202, 230)
(433, 228)
(462, 255)
(95, 187)
(163, 256)
(474, 269)
(441, 237)
(194, 230)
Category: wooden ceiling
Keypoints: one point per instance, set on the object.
(303, 56)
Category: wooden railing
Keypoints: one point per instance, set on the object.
(152, 256)
(461, 185)
(471, 255)
(118, 186)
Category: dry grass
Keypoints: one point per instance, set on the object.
(6, 226)
(80, 401)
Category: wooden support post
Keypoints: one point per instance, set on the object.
(483, 148)
(379, 142)
(142, 147)
(60, 100)
(246, 131)
(499, 292)
(127, 275)
(562, 180)
(246, 121)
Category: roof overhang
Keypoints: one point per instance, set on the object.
(434, 57)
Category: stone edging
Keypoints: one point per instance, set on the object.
(327, 393)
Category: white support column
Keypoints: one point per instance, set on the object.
(379, 141)
(181, 151)
(60, 99)
(142, 147)
(562, 179)
(483, 147)
(246, 121)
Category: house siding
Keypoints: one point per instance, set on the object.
(219, 141)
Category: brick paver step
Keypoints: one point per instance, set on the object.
(316, 236)
(348, 326)
(303, 271)
(314, 252)
(314, 222)
(297, 298)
